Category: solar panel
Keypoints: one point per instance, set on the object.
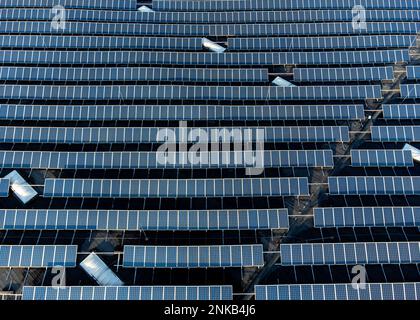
(381, 158)
(128, 293)
(113, 188)
(372, 291)
(4, 188)
(395, 133)
(96, 42)
(316, 43)
(208, 30)
(367, 217)
(374, 185)
(193, 256)
(343, 74)
(413, 72)
(210, 17)
(410, 91)
(153, 134)
(401, 111)
(28, 256)
(187, 220)
(85, 4)
(350, 253)
(204, 58)
(162, 92)
(136, 160)
(133, 74)
(181, 112)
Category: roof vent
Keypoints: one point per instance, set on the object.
(99, 271)
(212, 46)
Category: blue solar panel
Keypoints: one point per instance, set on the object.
(113, 188)
(373, 291)
(381, 158)
(96, 42)
(413, 72)
(26, 256)
(181, 112)
(133, 74)
(193, 256)
(145, 29)
(187, 220)
(228, 5)
(343, 74)
(207, 59)
(136, 160)
(210, 17)
(4, 188)
(374, 185)
(85, 4)
(350, 253)
(401, 111)
(396, 133)
(178, 92)
(128, 293)
(316, 43)
(367, 217)
(153, 134)
(410, 91)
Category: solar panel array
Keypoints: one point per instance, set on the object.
(310, 111)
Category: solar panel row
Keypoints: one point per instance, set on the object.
(4, 188)
(316, 43)
(343, 74)
(374, 185)
(181, 112)
(367, 217)
(395, 133)
(413, 72)
(410, 91)
(193, 256)
(401, 111)
(228, 5)
(155, 92)
(133, 74)
(210, 17)
(113, 188)
(135, 160)
(143, 220)
(26, 256)
(372, 291)
(83, 4)
(154, 134)
(170, 293)
(350, 253)
(381, 158)
(208, 30)
(199, 59)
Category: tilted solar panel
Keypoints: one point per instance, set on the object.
(193, 256)
(410, 91)
(149, 160)
(133, 74)
(38, 256)
(203, 58)
(381, 158)
(114, 188)
(187, 220)
(374, 185)
(350, 253)
(4, 188)
(145, 29)
(178, 92)
(372, 291)
(210, 17)
(85, 4)
(343, 74)
(128, 293)
(401, 111)
(154, 134)
(367, 217)
(181, 112)
(395, 133)
(413, 72)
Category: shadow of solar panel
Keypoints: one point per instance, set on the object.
(173, 188)
(193, 256)
(187, 220)
(367, 217)
(373, 291)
